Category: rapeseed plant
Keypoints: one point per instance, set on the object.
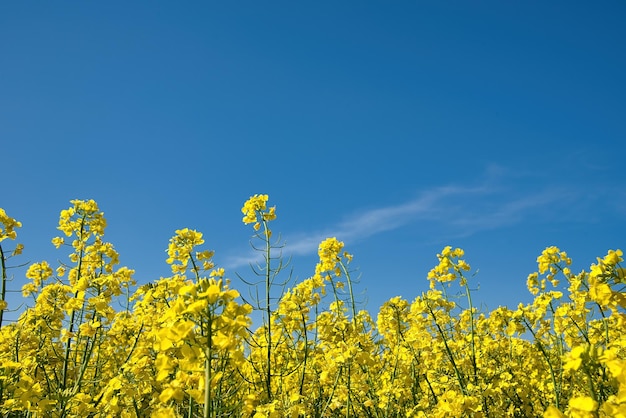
(93, 344)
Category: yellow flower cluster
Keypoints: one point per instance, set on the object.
(449, 265)
(255, 211)
(180, 251)
(7, 226)
(329, 252)
(94, 344)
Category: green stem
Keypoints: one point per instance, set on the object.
(349, 280)
(473, 342)
(268, 308)
(4, 281)
(457, 372)
(545, 355)
(306, 353)
(78, 277)
(208, 407)
(348, 388)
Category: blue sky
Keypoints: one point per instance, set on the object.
(399, 127)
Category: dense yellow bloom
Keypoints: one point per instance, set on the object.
(93, 344)
(583, 406)
(38, 273)
(553, 412)
(574, 358)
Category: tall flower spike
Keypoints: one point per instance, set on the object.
(329, 252)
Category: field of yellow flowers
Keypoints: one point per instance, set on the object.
(93, 344)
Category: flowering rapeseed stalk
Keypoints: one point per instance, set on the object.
(255, 211)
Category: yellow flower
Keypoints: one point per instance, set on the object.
(167, 412)
(255, 212)
(218, 272)
(212, 293)
(18, 249)
(7, 226)
(270, 215)
(449, 268)
(89, 329)
(599, 291)
(224, 341)
(328, 252)
(196, 307)
(574, 358)
(252, 206)
(553, 412)
(583, 406)
(181, 247)
(171, 393)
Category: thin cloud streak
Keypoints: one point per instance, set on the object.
(426, 206)
(371, 222)
(509, 212)
(463, 210)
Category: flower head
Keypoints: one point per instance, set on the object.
(255, 209)
(7, 226)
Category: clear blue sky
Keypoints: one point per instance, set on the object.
(399, 127)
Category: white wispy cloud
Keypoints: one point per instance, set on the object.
(429, 205)
(508, 209)
(504, 198)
